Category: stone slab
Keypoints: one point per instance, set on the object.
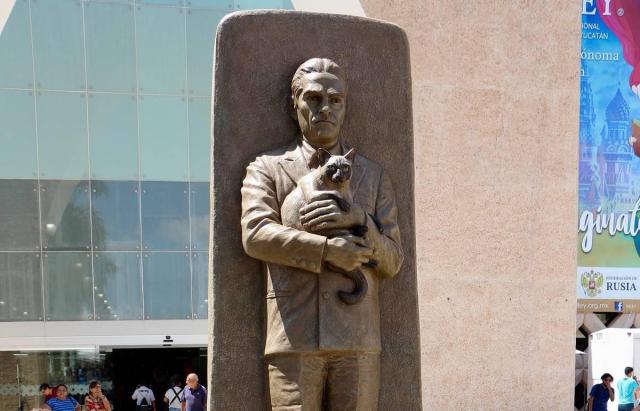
(256, 55)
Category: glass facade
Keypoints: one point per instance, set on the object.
(104, 167)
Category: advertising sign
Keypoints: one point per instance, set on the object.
(608, 272)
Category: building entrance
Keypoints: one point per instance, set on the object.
(119, 371)
(154, 367)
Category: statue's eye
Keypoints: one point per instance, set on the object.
(346, 168)
(332, 169)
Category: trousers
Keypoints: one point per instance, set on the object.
(324, 381)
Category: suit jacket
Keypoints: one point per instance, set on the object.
(304, 313)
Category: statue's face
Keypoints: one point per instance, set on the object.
(320, 108)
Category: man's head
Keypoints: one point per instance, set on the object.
(319, 92)
(192, 381)
(606, 377)
(62, 391)
(45, 389)
(628, 371)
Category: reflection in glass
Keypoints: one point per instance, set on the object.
(18, 156)
(68, 286)
(200, 216)
(201, 30)
(19, 225)
(164, 142)
(167, 286)
(57, 43)
(21, 290)
(65, 215)
(15, 48)
(118, 289)
(160, 43)
(199, 139)
(165, 215)
(216, 4)
(62, 132)
(262, 4)
(115, 215)
(113, 132)
(110, 46)
(200, 264)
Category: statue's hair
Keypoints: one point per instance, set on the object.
(314, 65)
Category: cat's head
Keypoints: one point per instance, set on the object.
(336, 168)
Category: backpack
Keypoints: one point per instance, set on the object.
(144, 405)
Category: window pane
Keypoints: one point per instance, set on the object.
(21, 291)
(163, 131)
(201, 30)
(200, 216)
(167, 286)
(68, 286)
(118, 289)
(161, 49)
(164, 2)
(110, 46)
(200, 265)
(19, 215)
(116, 215)
(217, 4)
(165, 213)
(62, 129)
(200, 139)
(57, 42)
(259, 4)
(16, 65)
(113, 131)
(65, 215)
(18, 158)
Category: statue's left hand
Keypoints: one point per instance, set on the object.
(325, 214)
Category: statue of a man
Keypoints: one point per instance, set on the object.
(320, 352)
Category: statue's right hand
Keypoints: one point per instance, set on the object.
(347, 252)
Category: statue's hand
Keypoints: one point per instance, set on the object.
(325, 214)
(347, 252)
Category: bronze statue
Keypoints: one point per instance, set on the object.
(322, 346)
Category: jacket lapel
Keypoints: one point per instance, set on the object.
(358, 170)
(357, 174)
(294, 164)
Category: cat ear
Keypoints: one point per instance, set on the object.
(351, 155)
(323, 156)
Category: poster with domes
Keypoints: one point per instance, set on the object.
(608, 272)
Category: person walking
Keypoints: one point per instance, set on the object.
(601, 393)
(144, 398)
(194, 395)
(172, 396)
(627, 390)
(62, 401)
(96, 400)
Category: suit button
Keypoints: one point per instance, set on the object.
(325, 295)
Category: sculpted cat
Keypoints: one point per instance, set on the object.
(329, 181)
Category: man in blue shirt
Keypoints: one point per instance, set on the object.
(628, 390)
(600, 393)
(194, 395)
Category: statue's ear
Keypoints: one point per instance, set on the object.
(351, 155)
(323, 156)
(293, 110)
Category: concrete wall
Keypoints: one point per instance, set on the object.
(495, 88)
